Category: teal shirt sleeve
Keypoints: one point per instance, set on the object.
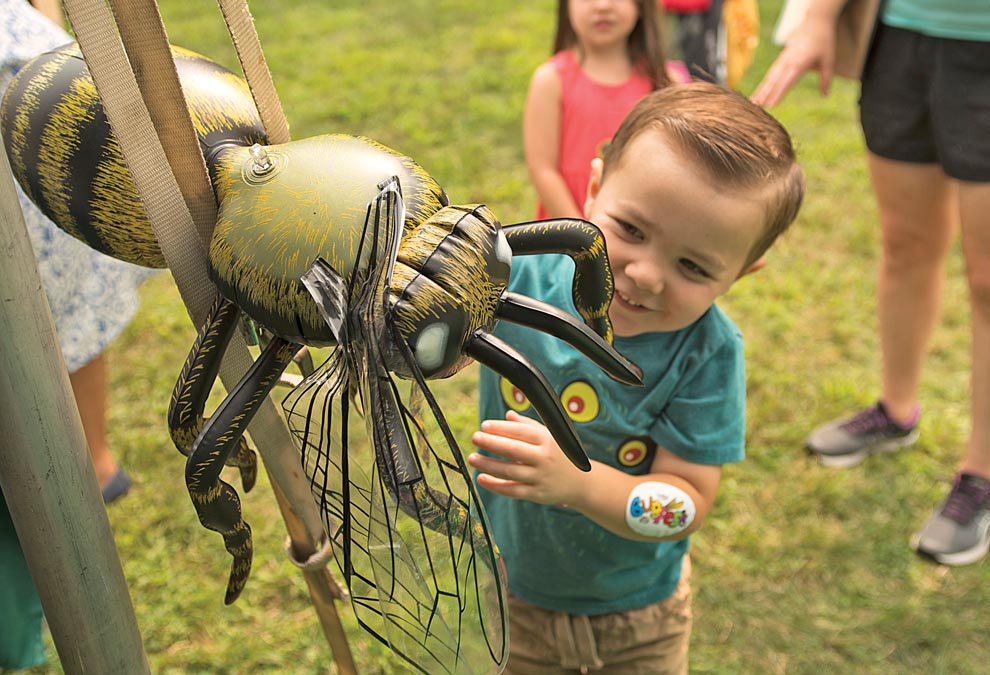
(704, 420)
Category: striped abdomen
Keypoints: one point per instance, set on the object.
(66, 159)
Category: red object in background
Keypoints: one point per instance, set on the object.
(685, 6)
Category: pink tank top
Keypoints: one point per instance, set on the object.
(590, 114)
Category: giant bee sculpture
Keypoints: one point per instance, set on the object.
(341, 243)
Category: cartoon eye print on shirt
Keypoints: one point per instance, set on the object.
(513, 396)
(580, 401)
(578, 398)
(636, 451)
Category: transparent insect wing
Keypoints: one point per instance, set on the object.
(316, 420)
(433, 506)
(404, 516)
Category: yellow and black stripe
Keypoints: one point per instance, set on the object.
(67, 160)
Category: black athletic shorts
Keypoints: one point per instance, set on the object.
(926, 100)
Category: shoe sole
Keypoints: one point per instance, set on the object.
(959, 558)
(852, 459)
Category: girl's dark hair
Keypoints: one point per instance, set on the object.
(645, 42)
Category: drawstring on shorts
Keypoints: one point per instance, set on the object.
(576, 642)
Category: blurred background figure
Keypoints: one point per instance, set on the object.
(925, 114)
(716, 39)
(607, 55)
(699, 36)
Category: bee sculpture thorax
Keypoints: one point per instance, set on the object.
(283, 207)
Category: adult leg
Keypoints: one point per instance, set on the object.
(89, 385)
(917, 207)
(974, 208)
(958, 533)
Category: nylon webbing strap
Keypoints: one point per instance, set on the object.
(104, 52)
(146, 43)
(93, 25)
(240, 25)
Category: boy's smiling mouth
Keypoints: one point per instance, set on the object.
(629, 302)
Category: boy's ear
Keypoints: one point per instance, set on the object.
(594, 184)
(759, 264)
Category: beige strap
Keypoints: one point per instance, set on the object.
(243, 34)
(186, 255)
(147, 46)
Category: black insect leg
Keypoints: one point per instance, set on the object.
(199, 373)
(548, 319)
(585, 244)
(510, 364)
(397, 463)
(216, 502)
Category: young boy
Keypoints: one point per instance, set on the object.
(695, 186)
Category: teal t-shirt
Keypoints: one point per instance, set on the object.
(952, 19)
(693, 404)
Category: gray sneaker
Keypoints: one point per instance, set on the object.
(847, 442)
(958, 533)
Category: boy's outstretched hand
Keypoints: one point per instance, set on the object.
(529, 465)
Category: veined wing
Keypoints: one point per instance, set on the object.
(409, 534)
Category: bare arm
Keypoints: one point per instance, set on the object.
(810, 47)
(530, 466)
(541, 141)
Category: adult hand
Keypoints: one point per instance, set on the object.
(811, 47)
(530, 465)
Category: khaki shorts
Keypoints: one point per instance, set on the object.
(651, 640)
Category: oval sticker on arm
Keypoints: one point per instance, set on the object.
(658, 510)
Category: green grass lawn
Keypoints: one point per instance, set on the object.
(799, 569)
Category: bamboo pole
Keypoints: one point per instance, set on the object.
(47, 477)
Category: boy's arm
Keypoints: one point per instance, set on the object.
(530, 466)
(810, 47)
(541, 141)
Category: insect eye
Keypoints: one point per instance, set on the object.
(636, 451)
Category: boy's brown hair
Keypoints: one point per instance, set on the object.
(733, 141)
(645, 42)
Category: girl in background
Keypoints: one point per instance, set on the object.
(607, 55)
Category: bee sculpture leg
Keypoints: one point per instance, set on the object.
(185, 413)
(216, 502)
(398, 466)
(585, 244)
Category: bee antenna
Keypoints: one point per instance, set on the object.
(526, 311)
(510, 364)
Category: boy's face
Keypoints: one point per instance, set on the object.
(676, 242)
